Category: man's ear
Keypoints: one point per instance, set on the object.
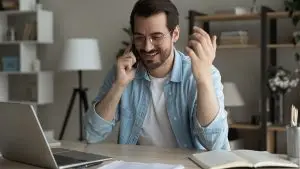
(175, 34)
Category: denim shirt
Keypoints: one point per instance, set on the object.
(181, 99)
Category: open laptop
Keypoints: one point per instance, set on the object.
(22, 139)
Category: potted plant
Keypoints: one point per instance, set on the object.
(125, 43)
(293, 6)
(280, 82)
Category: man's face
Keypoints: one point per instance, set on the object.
(152, 40)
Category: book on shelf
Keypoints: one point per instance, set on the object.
(235, 10)
(233, 38)
(222, 159)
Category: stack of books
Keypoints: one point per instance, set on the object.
(234, 38)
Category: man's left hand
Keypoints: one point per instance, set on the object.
(202, 51)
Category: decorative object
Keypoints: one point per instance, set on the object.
(36, 65)
(235, 10)
(11, 34)
(280, 82)
(125, 43)
(232, 97)
(80, 54)
(10, 4)
(255, 119)
(38, 5)
(10, 63)
(254, 7)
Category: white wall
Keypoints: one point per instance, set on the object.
(104, 20)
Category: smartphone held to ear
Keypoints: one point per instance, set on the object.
(135, 53)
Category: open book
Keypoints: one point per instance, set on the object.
(220, 159)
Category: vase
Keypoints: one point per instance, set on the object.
(279, 109)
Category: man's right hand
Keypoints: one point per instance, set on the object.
(125, 70)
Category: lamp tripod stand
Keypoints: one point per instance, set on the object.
(83, 103)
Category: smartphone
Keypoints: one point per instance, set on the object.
(135, 53)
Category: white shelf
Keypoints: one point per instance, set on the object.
(32, 88)
(30, 27)
(17, 12)
(17, 73)
(25, 5)
(26, 53)
(19, 42)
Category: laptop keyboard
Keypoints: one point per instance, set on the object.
(64, 160)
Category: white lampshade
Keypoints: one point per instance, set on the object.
(232, 95)
(81, 54)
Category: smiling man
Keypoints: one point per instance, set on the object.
(170, 99)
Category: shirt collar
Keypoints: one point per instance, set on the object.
(176, 72)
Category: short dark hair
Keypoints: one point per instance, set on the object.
(148, 8)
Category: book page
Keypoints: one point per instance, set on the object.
(219, 159)
(137, 165)
(264, 159)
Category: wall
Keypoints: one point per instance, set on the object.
(104, 20)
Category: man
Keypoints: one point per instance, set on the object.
(169, 100)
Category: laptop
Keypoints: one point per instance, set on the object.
(22, 140)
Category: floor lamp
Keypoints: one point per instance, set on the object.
(80, 54)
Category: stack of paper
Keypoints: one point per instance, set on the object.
(136, 165)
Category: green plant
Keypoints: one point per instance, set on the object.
(293, 7)
(125, 43)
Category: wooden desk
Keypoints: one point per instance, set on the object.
(122, 152)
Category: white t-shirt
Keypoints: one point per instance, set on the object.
(156, 127)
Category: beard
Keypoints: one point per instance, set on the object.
(155, 58)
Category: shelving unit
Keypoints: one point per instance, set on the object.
(22, 31)
(268, 56)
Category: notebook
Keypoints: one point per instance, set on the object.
(221, 159)
(137, 165)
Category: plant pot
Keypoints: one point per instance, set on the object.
(279, 109)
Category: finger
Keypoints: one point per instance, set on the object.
(132, 57)
(214, 42)
(128, 49)
(128, 55)
(126, 64)
(198, 48)
(190, 52)
(202, 39)
(201, 31)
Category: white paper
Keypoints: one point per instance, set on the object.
(137, 165)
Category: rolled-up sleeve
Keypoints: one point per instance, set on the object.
(97, 128)
(215, 135)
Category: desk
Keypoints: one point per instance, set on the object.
(122, 152)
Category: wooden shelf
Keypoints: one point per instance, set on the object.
(236, 46)
(227, 17)
(277, 15)
(276, 128)
(233, 17)
(244, 126)
(287, 45)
